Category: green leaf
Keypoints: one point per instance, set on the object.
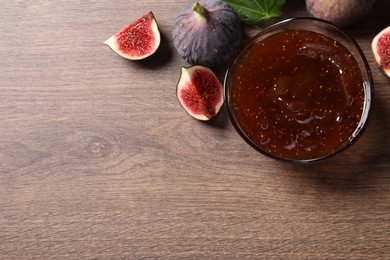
(256, 11)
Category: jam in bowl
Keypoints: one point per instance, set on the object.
(299, 91)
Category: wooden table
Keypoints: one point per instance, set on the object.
(99, 161)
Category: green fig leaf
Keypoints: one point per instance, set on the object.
(256, 11)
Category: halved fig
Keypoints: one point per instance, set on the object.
(381, 49)
(199, 92)
(138, 40)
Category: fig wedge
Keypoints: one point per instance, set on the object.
(381, 49)
(199, 91)
(138, 40)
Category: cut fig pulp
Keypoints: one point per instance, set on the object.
(138, 40)
(381, 49)
(200, 92)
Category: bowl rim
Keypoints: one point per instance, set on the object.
(367, 85)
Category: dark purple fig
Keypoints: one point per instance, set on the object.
(340, 12)
(207, 33)
(381, 49)
(199, 92)
(138, 40)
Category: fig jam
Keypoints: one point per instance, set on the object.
(297, 94)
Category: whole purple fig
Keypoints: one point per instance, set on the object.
(340, 12)
(207, 32)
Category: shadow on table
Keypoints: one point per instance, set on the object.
(221, 120)
(375, 21)
(365, 162)
(161, 57)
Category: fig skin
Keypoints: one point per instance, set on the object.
(199, 92)
(138, 40)
(381, 49)
(207, 32)
(340, 12)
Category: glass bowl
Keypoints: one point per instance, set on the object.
(300, 91)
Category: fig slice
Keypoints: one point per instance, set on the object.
(199, 92)
(138, 40)
(381, 49)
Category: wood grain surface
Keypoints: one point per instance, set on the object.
(99, 161)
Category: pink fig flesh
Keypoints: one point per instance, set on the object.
(138, 40)
(381, 49)
(199, 92)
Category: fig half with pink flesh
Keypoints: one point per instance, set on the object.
(199, 92)
(381, 49)
(138, 40)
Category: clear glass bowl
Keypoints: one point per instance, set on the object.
(311, 132)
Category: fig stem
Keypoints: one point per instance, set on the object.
(200, 10)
